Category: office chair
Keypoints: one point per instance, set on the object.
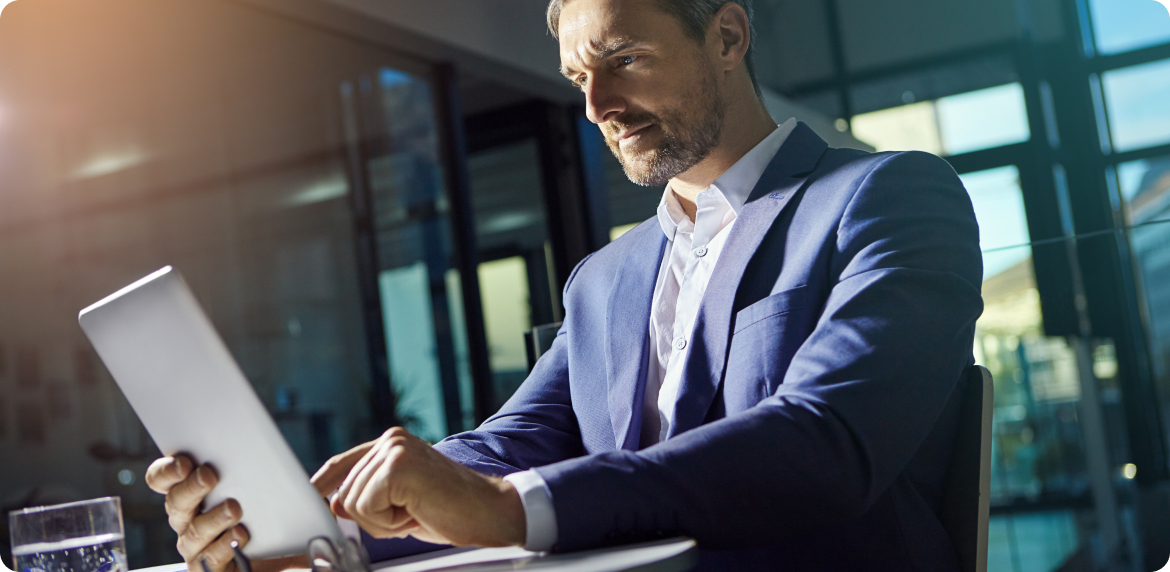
(967, 489)
(539, 340)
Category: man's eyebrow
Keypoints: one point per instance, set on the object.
(601, 51)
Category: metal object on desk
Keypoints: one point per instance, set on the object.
(673, 555)
(348, 555)
(325, 555)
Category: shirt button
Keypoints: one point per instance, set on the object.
(701, 251)
(680, 344)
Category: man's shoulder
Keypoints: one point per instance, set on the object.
(859, 164)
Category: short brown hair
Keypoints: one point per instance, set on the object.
(695, 16)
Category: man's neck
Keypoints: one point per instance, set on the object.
(741, 133)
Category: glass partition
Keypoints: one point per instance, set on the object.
(516, 280)
(1038, 449)
(391, 131)
(1125, 25)
(1145, 185)
(210, 136)
(1135, 102)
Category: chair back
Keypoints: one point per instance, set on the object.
(967, 489)
(539, 340)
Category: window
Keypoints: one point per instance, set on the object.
(503, 286)
(950, 125)
(1145, 186)
(1124, 25)
(999, 208)
(1136, 103)
(1036, 446)
(516, 282)
(421, 304)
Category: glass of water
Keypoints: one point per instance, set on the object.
(82, 536)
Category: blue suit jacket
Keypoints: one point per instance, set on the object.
(817, 407)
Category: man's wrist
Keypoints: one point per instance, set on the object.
(511, 511)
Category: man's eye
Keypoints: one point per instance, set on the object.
(580, 82)
(626, 60)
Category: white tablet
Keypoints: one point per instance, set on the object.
(192, 397)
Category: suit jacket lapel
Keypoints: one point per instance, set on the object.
(628, 331)
(707, 356)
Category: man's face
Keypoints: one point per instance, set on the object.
(652, 89)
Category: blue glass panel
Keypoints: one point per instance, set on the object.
(999, 209)
(1036, 542)
(1137, 101)
(392, 77)
(1124, 25)
(410, 343)
(983, 119)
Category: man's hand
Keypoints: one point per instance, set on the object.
(207, 536)
(398, 486)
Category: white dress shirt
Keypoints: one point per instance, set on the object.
(692, 250)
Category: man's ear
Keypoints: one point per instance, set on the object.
(733, 33)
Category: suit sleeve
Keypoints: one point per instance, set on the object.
(859, 398)
(535, 427)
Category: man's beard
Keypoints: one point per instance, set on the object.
(688, 136)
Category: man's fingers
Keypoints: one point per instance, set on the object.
(183, 500)
(219, 553)
(353, 493)
(207, 527)
(333, 472)
(371, 492)
(344, 491)
(167, 472)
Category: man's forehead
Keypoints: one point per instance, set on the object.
(592, 28)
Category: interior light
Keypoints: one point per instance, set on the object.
(110, 162)
(1129, 471)
(327, 189)
(126, 477)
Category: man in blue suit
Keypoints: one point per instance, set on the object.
(768, 366)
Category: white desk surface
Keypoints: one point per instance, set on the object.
(677, 555)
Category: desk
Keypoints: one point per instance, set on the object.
(677, 555)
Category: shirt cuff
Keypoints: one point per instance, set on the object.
(539, 515)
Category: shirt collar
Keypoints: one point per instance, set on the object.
(734, 185)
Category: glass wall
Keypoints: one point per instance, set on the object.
(1135, 104)
(516, 278)
(219, 139)
(1131, 86)
(1124, 25)
(1037, 447)
(1045, 507)
(392, 138)
(1145, 189)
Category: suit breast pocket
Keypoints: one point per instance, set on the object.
(765, 337)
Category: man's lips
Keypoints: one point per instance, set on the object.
(628, 133)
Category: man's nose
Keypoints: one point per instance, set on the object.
(602, 102)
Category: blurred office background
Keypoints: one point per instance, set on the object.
(375, 200)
